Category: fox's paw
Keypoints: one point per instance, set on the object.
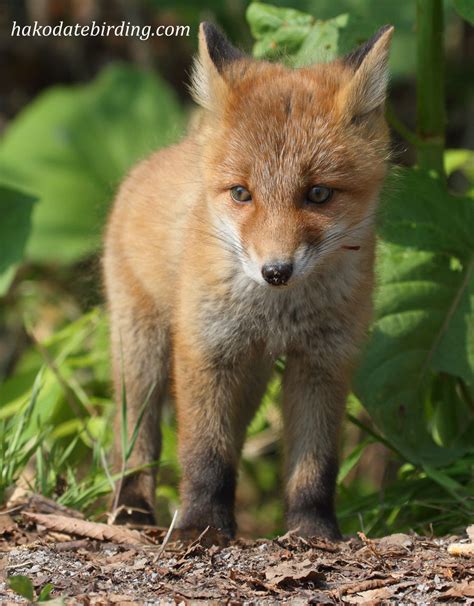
(134, 504)
(196, 519)
(139, 513)
(314, 525)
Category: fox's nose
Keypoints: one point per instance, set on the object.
(277, 273)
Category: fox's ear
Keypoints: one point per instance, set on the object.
(368, 86)
(215, 53)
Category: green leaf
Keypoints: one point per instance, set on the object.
(22, 586)
(265, 19)
(278, 31)
(71, 147)
(466, 9)
(322, 42)
(424, 310)
(45, 592)
(15, 210)
(281, 44)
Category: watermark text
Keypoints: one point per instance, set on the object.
(125, 28)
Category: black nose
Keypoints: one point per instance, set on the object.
(277, 273)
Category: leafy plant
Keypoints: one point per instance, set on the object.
(332, 28)
(72, 145)
(17, 444)
(52, 413)
(424, 326)
(61, 423)
(23, 586)
(301, 39)
(424, 501)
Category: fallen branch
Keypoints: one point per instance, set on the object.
(83, 528)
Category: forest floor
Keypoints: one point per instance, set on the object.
(96, 564)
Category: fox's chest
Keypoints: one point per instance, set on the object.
(306, 317)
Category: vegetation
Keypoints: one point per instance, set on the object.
(412, 408)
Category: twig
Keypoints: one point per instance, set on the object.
(167, 535)
(367, 585)
(21, 565)
(6, 512)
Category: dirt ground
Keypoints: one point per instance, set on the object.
(95, 564)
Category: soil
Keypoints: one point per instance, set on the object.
(95, 564)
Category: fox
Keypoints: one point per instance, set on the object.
(251, 239)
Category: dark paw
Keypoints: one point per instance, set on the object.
(196, 520)
(314, 526)
(134, 511)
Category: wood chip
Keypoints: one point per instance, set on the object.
(7, 524)
(397, 540)
(371, 597)
(291, 573)
(465, 550)
(461, 590)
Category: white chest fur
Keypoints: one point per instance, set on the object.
(311, 315)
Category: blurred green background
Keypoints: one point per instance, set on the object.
(76, 113)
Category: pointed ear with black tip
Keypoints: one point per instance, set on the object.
(215, 54)
(367, 88)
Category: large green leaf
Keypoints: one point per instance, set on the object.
(15, 210)
(72, 146)
(424, 310)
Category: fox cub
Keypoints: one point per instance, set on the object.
(250, 239)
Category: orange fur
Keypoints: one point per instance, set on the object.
(183, 263)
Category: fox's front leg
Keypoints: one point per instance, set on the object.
(314, 401)
(215, 399)
(140, 347)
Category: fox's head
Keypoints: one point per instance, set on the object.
(293, 159)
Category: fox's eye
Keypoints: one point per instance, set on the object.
(240, 194)
(318, 194)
